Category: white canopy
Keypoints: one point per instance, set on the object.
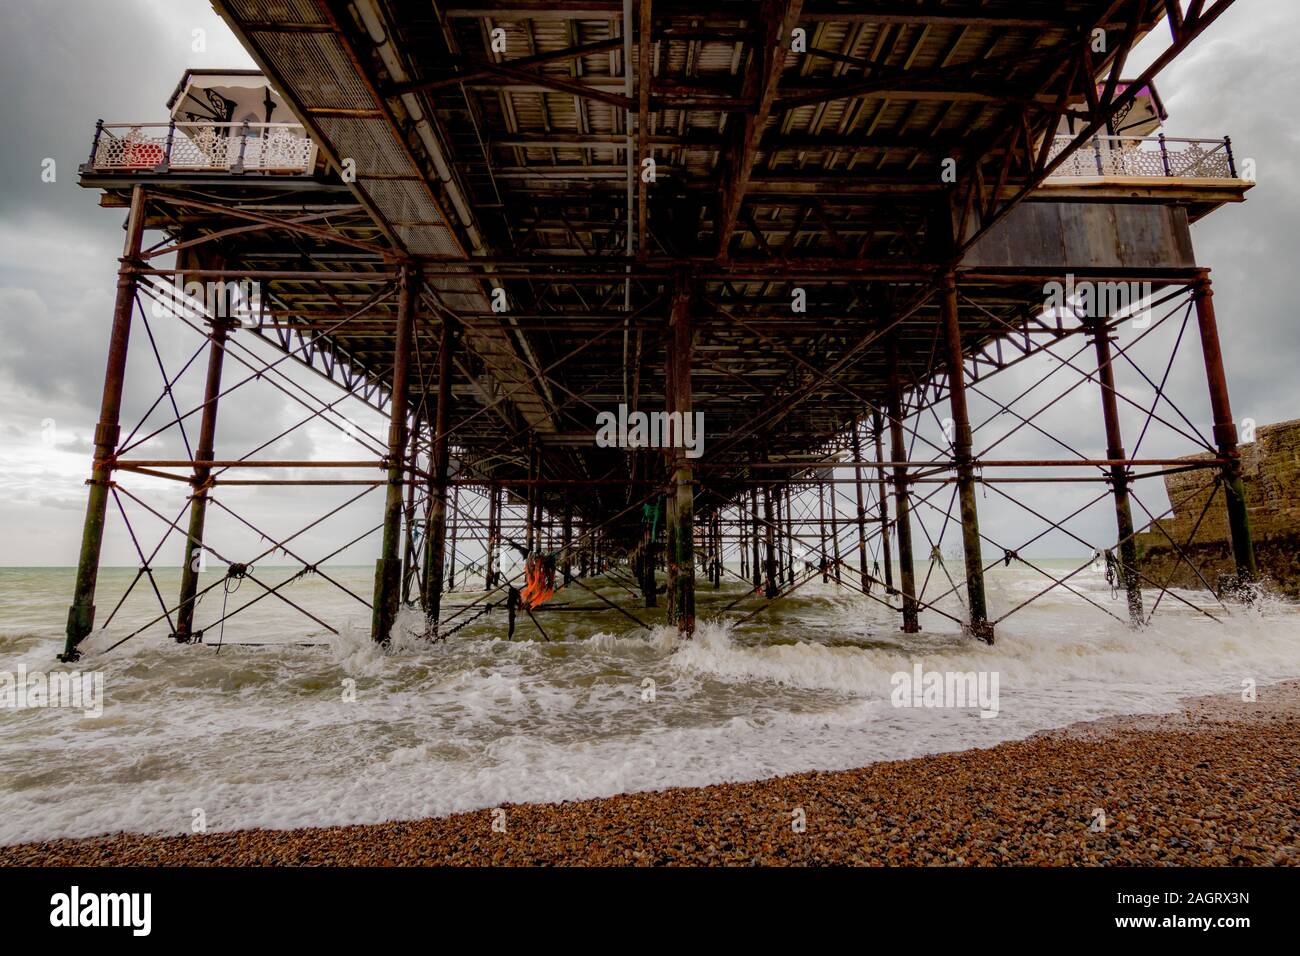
(227, 97)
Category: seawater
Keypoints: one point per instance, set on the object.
(266, 735)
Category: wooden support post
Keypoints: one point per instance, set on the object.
(1225, 436)
(963, 454)
(81, 615)
(862, 510)
(388, 568)
(681, 505)
(878, 430)
(1128, 569)
(902, 501)
(204, 451)
(435, 540)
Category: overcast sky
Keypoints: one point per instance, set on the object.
(66, 63)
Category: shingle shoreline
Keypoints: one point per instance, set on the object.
(1217, 784)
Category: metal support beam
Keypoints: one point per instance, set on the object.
(455, 522)
(531, 510)
(493, 536)
(408, 539)
(649, 585)
(821, 531)
(789, 536)
(770, 588)
(567, 564)
(681, 504)
(878, 432)
(81, 615)
(979, 624)
(902, 501)
(744, 530)
(862, 509)
(388, 568)
(1128, 569)
(204, 452)
(1225, 435)
(436, 535)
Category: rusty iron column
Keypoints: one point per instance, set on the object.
(408, 540)
(878, 428)
(1128, 569)
(769, 570)
(681, 505)
(649, 584)
(821, 532)
(756, 564)
(720, 535)
(203, 452)
(902, 502)
(388, 569)
(531, 511)
(779, 533)
(1225, 435)
(435, 538)
(963, 454)
(742, 535)
(789, 535)
(493, 533)
(833, 493)
(862, 510)
(567, 564)
(455, 525)
(81, 615)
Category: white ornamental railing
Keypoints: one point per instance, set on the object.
(202, 147)
(1146, 156)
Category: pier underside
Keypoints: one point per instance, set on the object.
(826, 228)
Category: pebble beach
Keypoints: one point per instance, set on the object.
(1216, 784)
